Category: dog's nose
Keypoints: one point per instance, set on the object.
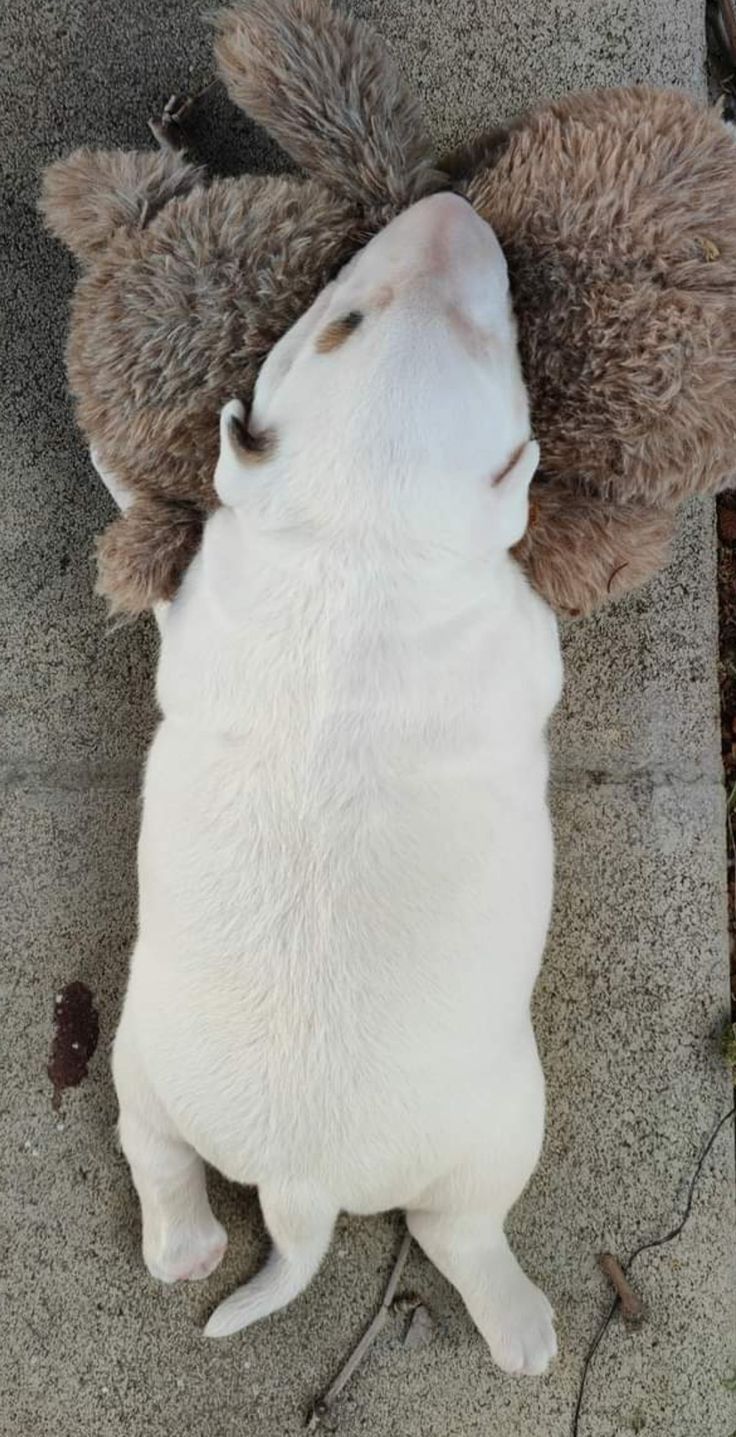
(442, 240)
(447, 223)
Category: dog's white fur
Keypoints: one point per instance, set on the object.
(345, 858)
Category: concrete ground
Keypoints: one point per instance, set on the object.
(635, 982)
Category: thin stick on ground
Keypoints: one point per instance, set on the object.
(625, 1267)
(324, 1404)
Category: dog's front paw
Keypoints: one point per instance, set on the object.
(523, 1341)
(185, 1254)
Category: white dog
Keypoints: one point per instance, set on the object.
(345, 858)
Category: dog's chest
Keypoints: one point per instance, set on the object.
(285, 651)
(332, 769)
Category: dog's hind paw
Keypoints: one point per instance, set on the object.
(523, 1342)
(186, 1255)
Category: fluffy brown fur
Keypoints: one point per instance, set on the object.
(323, 84)
(617, 212)
(580, 549)
(142, 556)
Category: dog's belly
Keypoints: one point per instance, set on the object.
(333, 978)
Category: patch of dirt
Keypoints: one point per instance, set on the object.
(76, 1034)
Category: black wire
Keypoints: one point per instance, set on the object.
(645, 1247)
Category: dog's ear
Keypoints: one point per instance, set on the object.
(510, 490)
(239, 451)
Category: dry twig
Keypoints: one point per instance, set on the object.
(324, 1404)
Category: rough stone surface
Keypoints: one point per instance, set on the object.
(635, 982)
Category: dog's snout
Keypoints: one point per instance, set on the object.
(441, 248)
(442, 236)
(449, 217)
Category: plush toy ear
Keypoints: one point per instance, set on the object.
(239, 451)
(511, 494)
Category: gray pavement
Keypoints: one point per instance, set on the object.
(635, 982)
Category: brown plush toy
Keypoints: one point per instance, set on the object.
(617, 213)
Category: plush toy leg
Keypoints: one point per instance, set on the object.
(581, 551)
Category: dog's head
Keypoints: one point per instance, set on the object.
(402, 383)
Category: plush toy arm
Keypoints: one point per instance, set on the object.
(91, 194)
(142, 556)
(325, 88)
(580, 551)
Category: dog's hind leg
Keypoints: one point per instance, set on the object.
(459, 1220)
(300, 1219)
(472, 1252)
(181, 1237)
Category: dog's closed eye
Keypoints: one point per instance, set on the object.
(338, 331)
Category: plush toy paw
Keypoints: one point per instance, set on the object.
(170, 127)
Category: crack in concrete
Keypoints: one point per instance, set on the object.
(645, 777)
(69, 776)
(31, 776)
